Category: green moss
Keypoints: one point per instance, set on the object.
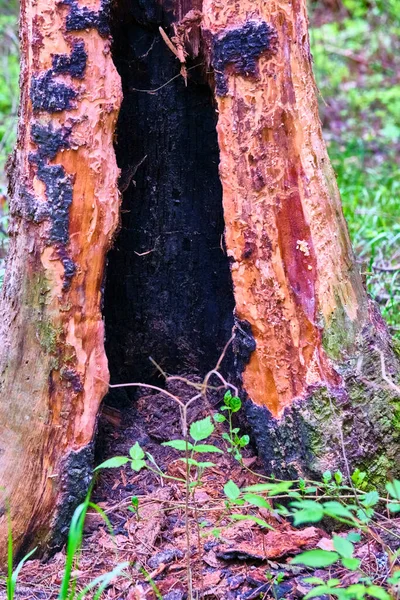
(48, 336)
(396, 346)
(379, 470)
(338, 336)
(396, 418)
(319, 423)
(37, 287)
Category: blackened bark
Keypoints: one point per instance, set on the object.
(168, 291)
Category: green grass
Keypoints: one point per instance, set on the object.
(370, 196)
(357, 66)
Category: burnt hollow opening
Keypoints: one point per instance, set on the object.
(168, 290)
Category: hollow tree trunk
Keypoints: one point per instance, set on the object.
(308, 345)
(64, 207)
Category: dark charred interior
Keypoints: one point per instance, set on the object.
(168, 291)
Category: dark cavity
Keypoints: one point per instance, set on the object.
(168, 293)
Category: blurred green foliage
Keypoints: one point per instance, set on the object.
(9, 97)
(9, 88)
(356, 51)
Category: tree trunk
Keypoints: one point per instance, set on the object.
(315, 382)
(64, 207)
(242, 150)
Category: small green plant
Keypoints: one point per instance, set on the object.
(274, 579)
(139, 459)
(358, 511)
(12, 574)
(134, 507)
(68, 589)
(235, 442)
(192, 448)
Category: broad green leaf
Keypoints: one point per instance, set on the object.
(136, 452)
(218, 418)
(309, 512)
(257, 501)
(358, 477)
(261, 522)
(353, 536)
(395, 579)
(201, 430)
(314, 580)
(295, 495)
(178, 445)
(365, 514)
(335, 509)
(343, 546)
(273, 489)
(244, 441)
(234, 403)
(207, 448)
(338, 477)
(231, 490)
(137, 465)
(318, 591)
(327, 476)
(316, 558)
(112, 463)
(357, 590)
(351, 563)
(333, 582)
(394, 507)
(378, 592)
(370, 499)
(393, 487)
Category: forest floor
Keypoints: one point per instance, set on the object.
(229, 559)
(357, 65)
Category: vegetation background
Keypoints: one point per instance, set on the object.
(356, 50)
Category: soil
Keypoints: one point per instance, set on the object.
(228, 559)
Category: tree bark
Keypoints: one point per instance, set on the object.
(64, 207)
(315, 382)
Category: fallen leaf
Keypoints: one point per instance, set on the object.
(325, 544)
(211, 579)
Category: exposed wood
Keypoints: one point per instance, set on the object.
(293, 268)
(65, 203)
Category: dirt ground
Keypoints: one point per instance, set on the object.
(228, 560)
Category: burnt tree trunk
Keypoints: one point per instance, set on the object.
(231, 220)
(64, 209)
